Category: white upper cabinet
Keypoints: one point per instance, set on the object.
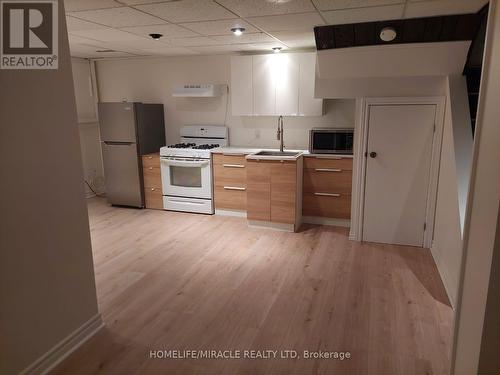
(286, 75)
(241, 85)
(274, 84)
(264, 86)
(308, 104)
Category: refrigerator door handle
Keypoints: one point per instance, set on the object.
(113, 143)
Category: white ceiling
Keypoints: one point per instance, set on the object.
(203, 26)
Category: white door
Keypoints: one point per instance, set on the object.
(397, 173)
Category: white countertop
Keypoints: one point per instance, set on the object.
(252, 150)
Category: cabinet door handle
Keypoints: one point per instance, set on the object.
(233, 166)
(153, 189)
(234, 188)
(327, 194)
(327, 170)
(151, 168)
(150, 157)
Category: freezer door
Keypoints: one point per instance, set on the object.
(117, 122)
(123, 178)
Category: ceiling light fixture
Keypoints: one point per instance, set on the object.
(277, 49)
(156, 36)
(388, 34)
(238, 30)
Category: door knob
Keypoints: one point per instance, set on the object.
(373, 154)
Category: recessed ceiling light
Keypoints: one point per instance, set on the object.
(238, 30)
(388, 34)
(156, 36)
(277, 49)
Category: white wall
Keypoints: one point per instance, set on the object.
(88, 125)
(47, 288)
(151, 80)
(480, 229)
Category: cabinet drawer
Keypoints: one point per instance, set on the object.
(234, 161)
(327, 205)
(151, 160)
(327, 162)
(230, 197)
(227, 174)
(327, 180)
(152, 176)
(153, 197)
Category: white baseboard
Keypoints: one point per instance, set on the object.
(65, 347)
(443, 274)
(326, 221)
(234, 213)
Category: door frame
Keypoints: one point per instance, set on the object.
(361, 146)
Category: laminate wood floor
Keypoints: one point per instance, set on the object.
(176, 281)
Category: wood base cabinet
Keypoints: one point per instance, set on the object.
(151, 172)
(230, 182)
(327, 187)
(273, 191)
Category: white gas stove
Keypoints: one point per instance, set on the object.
(186, 169)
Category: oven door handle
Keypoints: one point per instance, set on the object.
(185, 163)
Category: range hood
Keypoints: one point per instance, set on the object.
(198, 90)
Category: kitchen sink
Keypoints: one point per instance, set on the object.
(277, 153)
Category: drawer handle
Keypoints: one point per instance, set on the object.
(233, 166)
(327, 194)
(234, 188)
(330, 157)
(151, 168)
(150, 157)
(328, 170)
(153, 189)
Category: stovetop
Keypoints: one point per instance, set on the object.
(189, 150)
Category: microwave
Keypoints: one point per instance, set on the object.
(331, 141)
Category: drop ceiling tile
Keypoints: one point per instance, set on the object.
(218, 50)
(75, 5)
(442, 7)
(261, 47)
(75, 24)
(254, 8)
(187, 11)
(90, 51)
(382, 13)
(198, 41)
(297, 39)
(221, 27)
(346, 4)
(106, 35)
(137, 2)
(171, 51)
(245, 38)
(288, 22)
(74, 39)
(136, 45)
(118, 17)
(168, 31)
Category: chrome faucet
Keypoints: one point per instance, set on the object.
(279, 133)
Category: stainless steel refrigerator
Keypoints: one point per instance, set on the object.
(128, 130)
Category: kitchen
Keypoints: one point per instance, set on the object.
(291, 177)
